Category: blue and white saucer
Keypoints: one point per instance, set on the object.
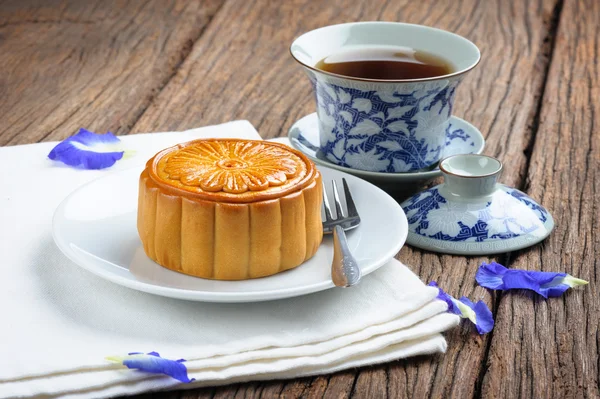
(462, 138)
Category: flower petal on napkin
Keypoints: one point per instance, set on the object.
(88, 150)
(548, 284)
(442, 295)
(478, 313)
(153, 363)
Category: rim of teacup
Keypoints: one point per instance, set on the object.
(434, 78)
(444, 169)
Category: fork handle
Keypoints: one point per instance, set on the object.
(344, 269)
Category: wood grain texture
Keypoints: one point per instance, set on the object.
(240, 69)
(94, 64)
(550, 348)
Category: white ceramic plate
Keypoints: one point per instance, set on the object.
(462, 138)
(95, 227)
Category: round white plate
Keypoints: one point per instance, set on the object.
(95, 227)
(461, 138)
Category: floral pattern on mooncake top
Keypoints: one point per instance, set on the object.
(232, 166)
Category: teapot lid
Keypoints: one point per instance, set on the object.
(472, 214)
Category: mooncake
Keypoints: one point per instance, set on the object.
(229, 209)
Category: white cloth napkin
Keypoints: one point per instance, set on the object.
(59, 322)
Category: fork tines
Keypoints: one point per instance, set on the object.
(339, 209)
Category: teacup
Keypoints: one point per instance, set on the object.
(384, 125)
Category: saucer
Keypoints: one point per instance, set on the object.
(462, 138)
(472, 214)
(104, 240)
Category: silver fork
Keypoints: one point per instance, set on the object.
(344, 269)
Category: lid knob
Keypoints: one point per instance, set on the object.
(470, 175)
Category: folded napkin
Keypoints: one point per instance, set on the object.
(59, 322)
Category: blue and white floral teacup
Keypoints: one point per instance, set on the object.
(383, 125)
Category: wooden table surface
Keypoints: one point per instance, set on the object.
(157, 65)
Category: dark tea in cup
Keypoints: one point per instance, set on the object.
(385, 63)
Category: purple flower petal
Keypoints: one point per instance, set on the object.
(452, 308)
(484, 321)
(88, 150)
(478, 313)
(548, 284)
(490, 275)
(153, 363)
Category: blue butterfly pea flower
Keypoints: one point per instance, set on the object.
(152, 363)
(442, 295)
(548, 284)
(88, 150)
(478, 313)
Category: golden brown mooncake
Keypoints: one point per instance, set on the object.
(229, 209)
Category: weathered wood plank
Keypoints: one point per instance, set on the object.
(372, 382)
(240, 68)
(550, 348)
(94, 64)
(340, 385)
